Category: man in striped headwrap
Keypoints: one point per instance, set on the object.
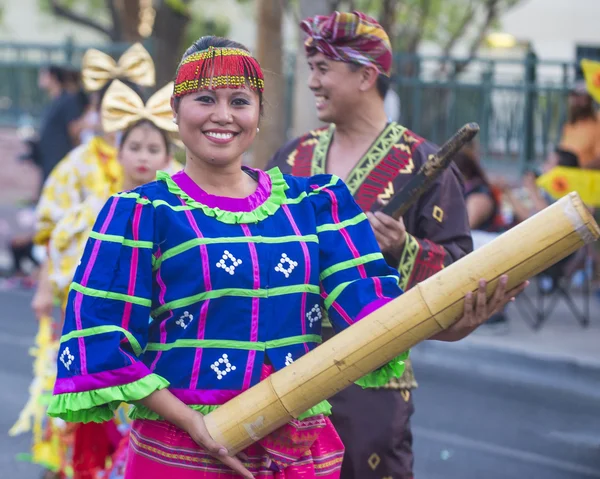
(350, 58)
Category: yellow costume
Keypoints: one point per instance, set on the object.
(71, 198)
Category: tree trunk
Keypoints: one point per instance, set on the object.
(387, 18)
(129, 18)
(305, 112)
(269, 53)
(167, 48)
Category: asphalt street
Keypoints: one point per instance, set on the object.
(514, 419)
(475, 423)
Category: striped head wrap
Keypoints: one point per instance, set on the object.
(351, 38)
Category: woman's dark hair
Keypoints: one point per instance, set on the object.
(204, 43)
(56, 72)
(470, 167)
(582, 111)
(128, 131)
(567, 158)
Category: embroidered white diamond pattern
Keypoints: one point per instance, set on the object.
(224, 361)
(288, 359)
(286, 271)
(185, 320)
(67, 358)
(314, 315)
(230, 268)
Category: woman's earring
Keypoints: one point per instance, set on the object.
(257, 130)
(174, 120)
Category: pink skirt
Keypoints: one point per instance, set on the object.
(299, 450)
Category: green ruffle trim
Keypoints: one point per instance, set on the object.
(142, 412)
(380, 377)
(268, 208)
(99, 405)
(324, 407)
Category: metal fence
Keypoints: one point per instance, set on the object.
(520, 104)
(21, 101)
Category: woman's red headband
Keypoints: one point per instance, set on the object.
(218, 68)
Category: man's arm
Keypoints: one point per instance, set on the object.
(437, 226)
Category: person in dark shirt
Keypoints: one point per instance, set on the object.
(482, 204)
(54, 135)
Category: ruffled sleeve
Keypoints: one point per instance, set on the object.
(106, 325)
(355, 278)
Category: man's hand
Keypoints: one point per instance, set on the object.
(390, 233)
(478, 309)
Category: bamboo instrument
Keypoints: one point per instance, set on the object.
(423, 311)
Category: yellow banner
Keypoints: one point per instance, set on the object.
(591, 72)
(561, 180)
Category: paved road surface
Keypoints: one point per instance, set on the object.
(476, 425)
(468, 425)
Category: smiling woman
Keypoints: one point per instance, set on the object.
(236, 269)
(217, 103)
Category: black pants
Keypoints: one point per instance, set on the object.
(20, 252)
(374, 425)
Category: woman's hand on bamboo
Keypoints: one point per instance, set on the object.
(198, 432)
(478, 309)
(169, 407)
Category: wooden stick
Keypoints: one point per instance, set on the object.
(423, 311)
(435, 165)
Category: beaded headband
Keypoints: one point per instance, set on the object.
(218, 68)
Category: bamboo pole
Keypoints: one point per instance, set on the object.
(423, 311)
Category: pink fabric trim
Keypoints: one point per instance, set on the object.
(307, 265)
(309, 449)
(374, 306)
(80, 341)
(215, 397)
(104, 379)
(205, 397)
(345, 316)
(344, 233)
(94, 255)
(266, 371)
(250, 203)
(378, 288)
(84, 281)
(198, 356)
(255, 308)
(133, 267)
(207, 287)
(163, 324)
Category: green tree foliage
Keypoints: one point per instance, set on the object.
(177, 23)
(443, 22)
